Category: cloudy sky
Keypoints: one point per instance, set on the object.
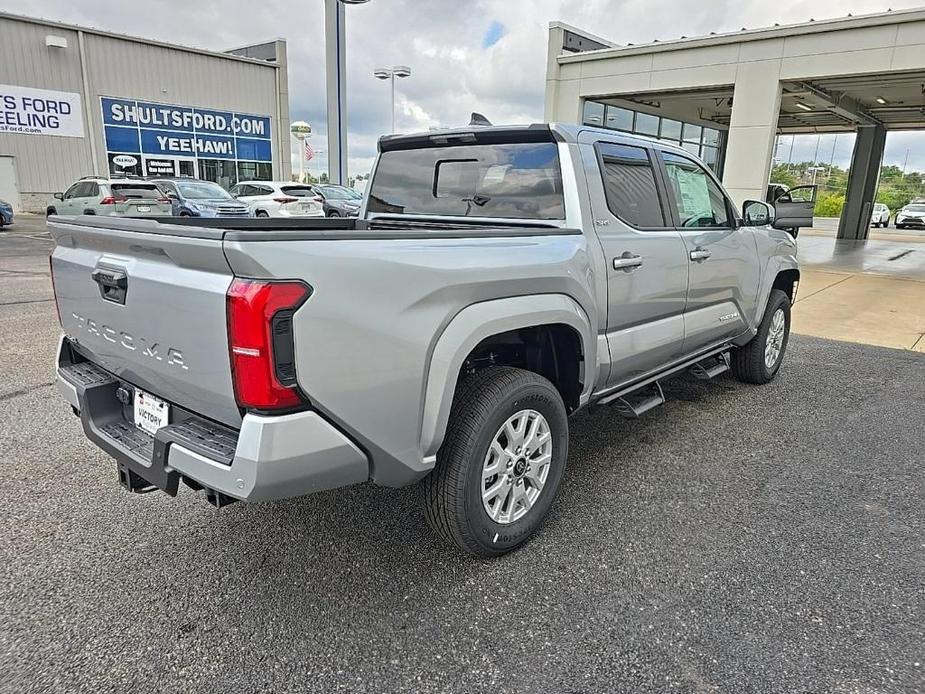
(466, 55)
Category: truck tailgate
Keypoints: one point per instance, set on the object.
(147, 303)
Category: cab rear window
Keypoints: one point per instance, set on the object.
(513, 181)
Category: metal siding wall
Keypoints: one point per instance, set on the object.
(120, 68)
(44, 164)
(154, 73)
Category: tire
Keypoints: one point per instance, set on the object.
(750, 362)
(261, 213)
(50, 211)
(482, 407)
(333, 214)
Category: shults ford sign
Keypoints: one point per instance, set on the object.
(139, 127)
(28, 111)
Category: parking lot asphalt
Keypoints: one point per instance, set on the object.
(737, 539)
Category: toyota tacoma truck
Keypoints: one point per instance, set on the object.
(498, 280)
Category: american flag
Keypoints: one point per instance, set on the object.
(309, 152)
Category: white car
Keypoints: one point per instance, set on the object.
(278, 199)
(880, 216)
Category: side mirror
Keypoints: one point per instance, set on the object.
(172, 195)
(757, 214)
(59, 196)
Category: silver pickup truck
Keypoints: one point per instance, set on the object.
(498, 280)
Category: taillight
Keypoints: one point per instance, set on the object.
(283, 201)
(112, 199)
(261, 344)
(318, 198)
(162, 200)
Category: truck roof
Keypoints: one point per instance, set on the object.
(534, 132)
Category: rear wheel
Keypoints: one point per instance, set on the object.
(333, 213)
(261, 213)
(501, 462)
(760, 360)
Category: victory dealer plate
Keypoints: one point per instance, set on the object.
(151, 413)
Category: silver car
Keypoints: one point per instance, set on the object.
(117, 197)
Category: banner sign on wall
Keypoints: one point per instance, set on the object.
(30, 111)
(138, 127)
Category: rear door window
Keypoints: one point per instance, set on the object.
(629, 185)
(513, 180)
(135, 190)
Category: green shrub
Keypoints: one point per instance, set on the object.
(829, 204)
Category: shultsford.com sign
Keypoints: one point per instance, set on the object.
(30, 111)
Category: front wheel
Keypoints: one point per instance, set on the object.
(760, 359)
(501, 462)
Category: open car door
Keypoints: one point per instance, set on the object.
(794, 209)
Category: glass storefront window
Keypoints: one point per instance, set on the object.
(671, 130)
(219, 171)
(594, 114)
(646, 124)
(710, 156)
(619, 118)
(123, 168)
(254, 171)
(692, 133)
(696, 139)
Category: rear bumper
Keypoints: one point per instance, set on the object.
(270, 457)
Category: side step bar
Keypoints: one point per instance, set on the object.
(708, 369)
(633, 405)
(636, 401)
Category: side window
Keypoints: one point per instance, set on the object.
(81, 190)
(699, 201)
(264, 190)
(629, 185)
(92, 190)
(72, 191)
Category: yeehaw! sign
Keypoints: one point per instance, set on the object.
(40, 112)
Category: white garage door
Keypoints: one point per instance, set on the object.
(8, 189)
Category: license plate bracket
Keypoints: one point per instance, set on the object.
(150, 413)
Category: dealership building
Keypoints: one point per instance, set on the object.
(77, 101)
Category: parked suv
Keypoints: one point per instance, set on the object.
(880, 216)
(500, 279)
(192, 198)
(338, 201)
(111, 197)
(278, 199)
(912, 215)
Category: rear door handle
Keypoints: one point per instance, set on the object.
(627, 262)
(700, 254)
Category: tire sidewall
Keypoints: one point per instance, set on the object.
(500, 538)
(779, 300)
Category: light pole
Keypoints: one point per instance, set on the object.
(336, 69)
(384, 73)
(301, 130)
